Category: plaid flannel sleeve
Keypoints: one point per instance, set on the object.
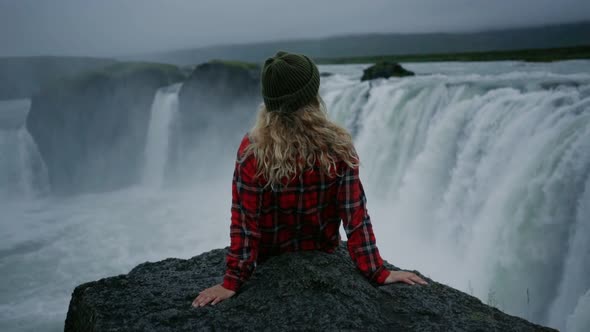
(362, 245)
(244, 232)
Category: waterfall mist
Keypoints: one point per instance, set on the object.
(22, 170)
(477, 175)
(487, 181)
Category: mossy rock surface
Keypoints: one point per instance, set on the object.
(238, 64)
(299, 291)
(220, 83)
(163, 74)
(23, 77)
(385, 69)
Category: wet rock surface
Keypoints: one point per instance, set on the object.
(385, 69)
(303, 291)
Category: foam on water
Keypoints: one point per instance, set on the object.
(479, 180)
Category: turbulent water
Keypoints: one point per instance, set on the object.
(477, 175)
(488, 181)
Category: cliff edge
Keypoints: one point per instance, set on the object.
(308, 290)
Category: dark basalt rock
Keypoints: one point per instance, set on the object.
(299, 291)
(385, 69)
(218, 87)
(217, 103)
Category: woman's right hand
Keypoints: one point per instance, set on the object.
(404, 276)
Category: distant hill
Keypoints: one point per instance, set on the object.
(554, 36)
(530, 55)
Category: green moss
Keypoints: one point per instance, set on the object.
(164, 73)
(532, 55)
(239, 64)
(127, 68)
(480, 316)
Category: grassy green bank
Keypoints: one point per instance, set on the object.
(532, 55)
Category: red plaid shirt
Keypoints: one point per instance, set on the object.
(305, 215)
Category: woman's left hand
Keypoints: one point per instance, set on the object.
(216, 294)
(409, 278)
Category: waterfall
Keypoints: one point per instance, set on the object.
(487, 175)
(22, 170)
(163, 112)
(576, 279)
(579, 321)
(476, 174)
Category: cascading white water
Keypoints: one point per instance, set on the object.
(477, 174)
(22, 171)
(576, 272)
(487, 175)
(163, 112)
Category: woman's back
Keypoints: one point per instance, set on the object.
(300, 214)
(296, 178)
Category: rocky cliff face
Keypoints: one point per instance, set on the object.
(300, 291)
(385, 69)
(91, 128)
(22, 77)
(217, 103)
(219, 86)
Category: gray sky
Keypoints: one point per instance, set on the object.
(115, 27)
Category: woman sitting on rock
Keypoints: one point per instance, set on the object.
(296, 177)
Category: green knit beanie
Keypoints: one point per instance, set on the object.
(289, 81)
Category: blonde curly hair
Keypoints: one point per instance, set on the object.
(286, 143)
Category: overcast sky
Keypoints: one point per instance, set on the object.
(116, 27)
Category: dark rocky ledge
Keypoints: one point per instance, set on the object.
(385, 69)
(303, 291)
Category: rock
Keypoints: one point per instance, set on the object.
(217, 104)
(22, 77)
(306, 290)
(219, 86)
(385, 69)
(91, 128)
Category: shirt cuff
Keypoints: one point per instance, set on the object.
(381, 275)
(231, 283)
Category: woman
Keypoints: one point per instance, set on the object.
(296, 177)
